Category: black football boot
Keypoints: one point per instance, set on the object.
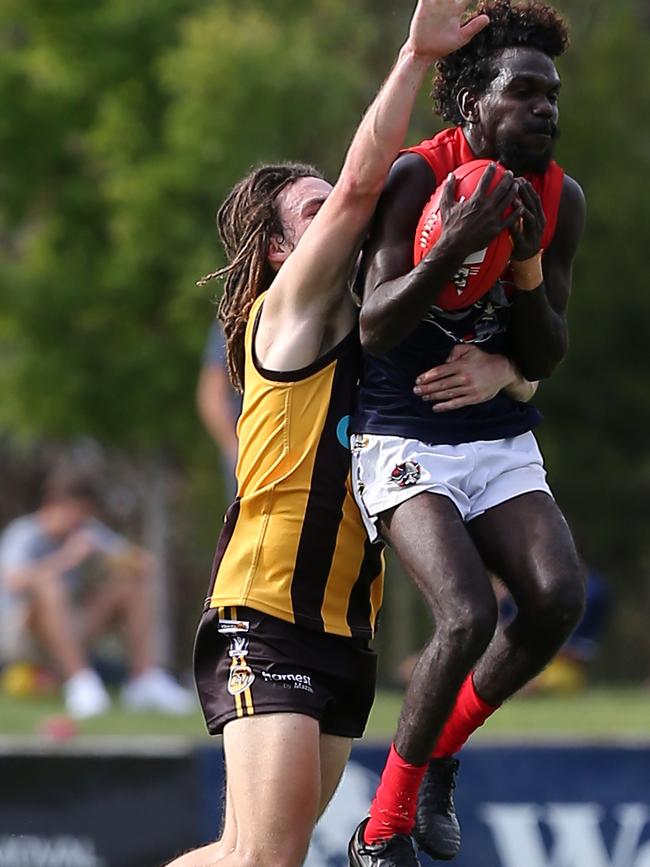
(397, 851)
(437, 831)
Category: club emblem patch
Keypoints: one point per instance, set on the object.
(238, 647)
(405, 474)
(241, 677)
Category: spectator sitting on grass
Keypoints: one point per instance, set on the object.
(44, 596)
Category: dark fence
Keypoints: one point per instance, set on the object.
(520, 806)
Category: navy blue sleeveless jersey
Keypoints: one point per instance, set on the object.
(386, 403)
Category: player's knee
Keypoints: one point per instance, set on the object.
(561, 606)
(468, 631)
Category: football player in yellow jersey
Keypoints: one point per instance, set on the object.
(282, 662)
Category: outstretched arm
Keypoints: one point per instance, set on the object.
(312, 283)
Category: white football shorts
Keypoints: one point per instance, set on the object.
(476, 476)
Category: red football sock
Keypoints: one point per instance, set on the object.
(393, 808)
(468, 714)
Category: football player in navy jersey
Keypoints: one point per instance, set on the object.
(462, 491)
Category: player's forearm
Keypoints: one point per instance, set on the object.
(384, 127)
(393, 309)
(540, 334)
(436, 30)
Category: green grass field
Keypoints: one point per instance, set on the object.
(598, 714)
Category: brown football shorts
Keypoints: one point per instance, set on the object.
(248, 663)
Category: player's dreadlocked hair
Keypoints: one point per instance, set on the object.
(529, 24)
(246, 221)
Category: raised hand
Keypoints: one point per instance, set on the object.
(437, 28)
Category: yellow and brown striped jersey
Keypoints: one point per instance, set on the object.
(293, 544)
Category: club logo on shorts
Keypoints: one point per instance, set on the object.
(238, 647)
(405, 474)
(241, 677)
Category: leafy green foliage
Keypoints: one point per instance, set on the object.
(129, 124)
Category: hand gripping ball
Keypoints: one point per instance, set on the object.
(480, 270)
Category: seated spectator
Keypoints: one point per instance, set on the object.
(46, 596)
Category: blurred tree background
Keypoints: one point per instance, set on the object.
(124, 125)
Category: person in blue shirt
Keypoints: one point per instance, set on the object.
(218, 404)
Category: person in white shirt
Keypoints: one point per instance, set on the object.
(44, 599)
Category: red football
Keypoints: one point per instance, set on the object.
(480, 271)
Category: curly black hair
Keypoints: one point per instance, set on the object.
(529, 24)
